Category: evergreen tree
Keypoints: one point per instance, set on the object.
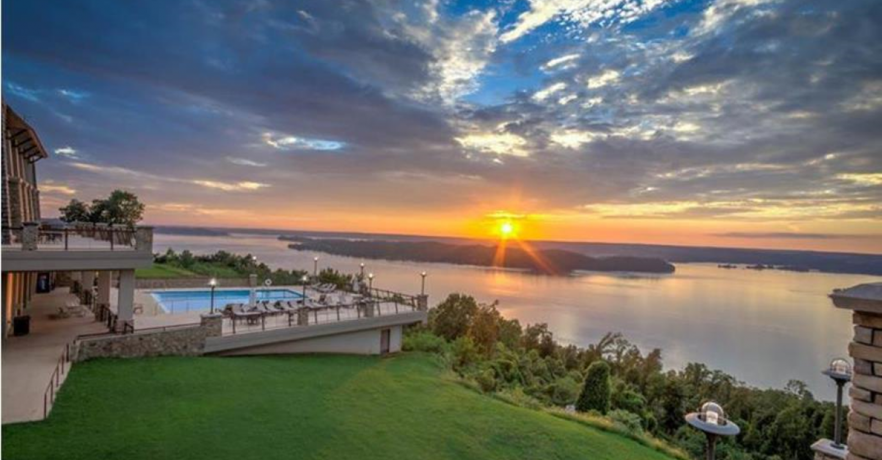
(596, 392)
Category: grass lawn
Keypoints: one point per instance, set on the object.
(163, 271)
(287, 407)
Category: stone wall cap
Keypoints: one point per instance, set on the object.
(866, 297)
(825, 447)
(211, 315)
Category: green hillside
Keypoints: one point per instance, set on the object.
(307, 407)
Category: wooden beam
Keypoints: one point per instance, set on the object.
(16, 134)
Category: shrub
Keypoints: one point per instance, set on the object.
(563, 391)
(596, 391)
(464, 353)
(423, 341)
(631, 421)
(486, 380)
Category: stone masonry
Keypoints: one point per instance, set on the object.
(177, 341)
(865, 416)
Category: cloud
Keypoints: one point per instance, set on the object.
(49, 187)
(23, 92)
(67, 152)
(73, 95)
(300, 143)
(495, 143)
(864, 179)
(244, 186)
(245, 162)
(606, 77)
(580, 13)
(796, 236)
(769, 115)
(544, 93)
(562, 62)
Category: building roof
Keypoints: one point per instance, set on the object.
(22, 135)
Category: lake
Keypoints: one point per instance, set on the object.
(763, 327)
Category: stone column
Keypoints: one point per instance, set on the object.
(213, 324)
(29, 236)
(144, 239)
(88, 278)
(125, 305)
(422, 302)
(865, 416)
(303, 317)
(104, 283)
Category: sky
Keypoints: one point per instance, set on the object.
(747, 123)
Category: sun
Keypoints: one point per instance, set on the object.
(506, 229)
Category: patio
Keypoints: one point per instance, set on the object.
(29, 361)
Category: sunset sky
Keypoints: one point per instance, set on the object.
(724, 122)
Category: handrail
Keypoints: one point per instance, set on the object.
(55, 380)
(132, 329)
(58, 237)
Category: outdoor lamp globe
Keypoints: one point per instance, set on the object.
(839, 369)
(712, 413)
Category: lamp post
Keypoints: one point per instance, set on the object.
(423, 285)
(711, 419)
(315, 266)
(840, 372)
(370, 281)
(213, 283)
(304, 279)
(361, 266)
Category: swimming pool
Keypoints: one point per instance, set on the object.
(182, 301)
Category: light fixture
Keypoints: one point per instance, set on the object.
(213, 284)
(423, 285)
(712, 420)
(840, 371)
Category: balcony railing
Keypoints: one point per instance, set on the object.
(78, 236)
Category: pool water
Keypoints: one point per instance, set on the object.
(183, 301)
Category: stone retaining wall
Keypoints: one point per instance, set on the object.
(179, 341)
(865, 417)
(188, 283)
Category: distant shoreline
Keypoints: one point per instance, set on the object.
(824, 262)
(545, 261)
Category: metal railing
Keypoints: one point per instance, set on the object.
(55, 380)
(258, 321)
(72, 237)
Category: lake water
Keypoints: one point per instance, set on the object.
(763, 327)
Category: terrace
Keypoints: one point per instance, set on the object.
(266, 312)
(76, 246)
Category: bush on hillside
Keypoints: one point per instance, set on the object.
(596, 391)
(423, 341)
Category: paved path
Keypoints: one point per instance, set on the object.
(28, 361)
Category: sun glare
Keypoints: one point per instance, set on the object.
(506, 229)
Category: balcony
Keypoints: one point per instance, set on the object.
(77, 246)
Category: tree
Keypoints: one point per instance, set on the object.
(451, 319)
(484, 328)
(75, 211)
(538, 337)
(596, 391)
(122, 208)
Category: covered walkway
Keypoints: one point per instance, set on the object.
(29, 361)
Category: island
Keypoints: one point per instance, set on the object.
(546, 261)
